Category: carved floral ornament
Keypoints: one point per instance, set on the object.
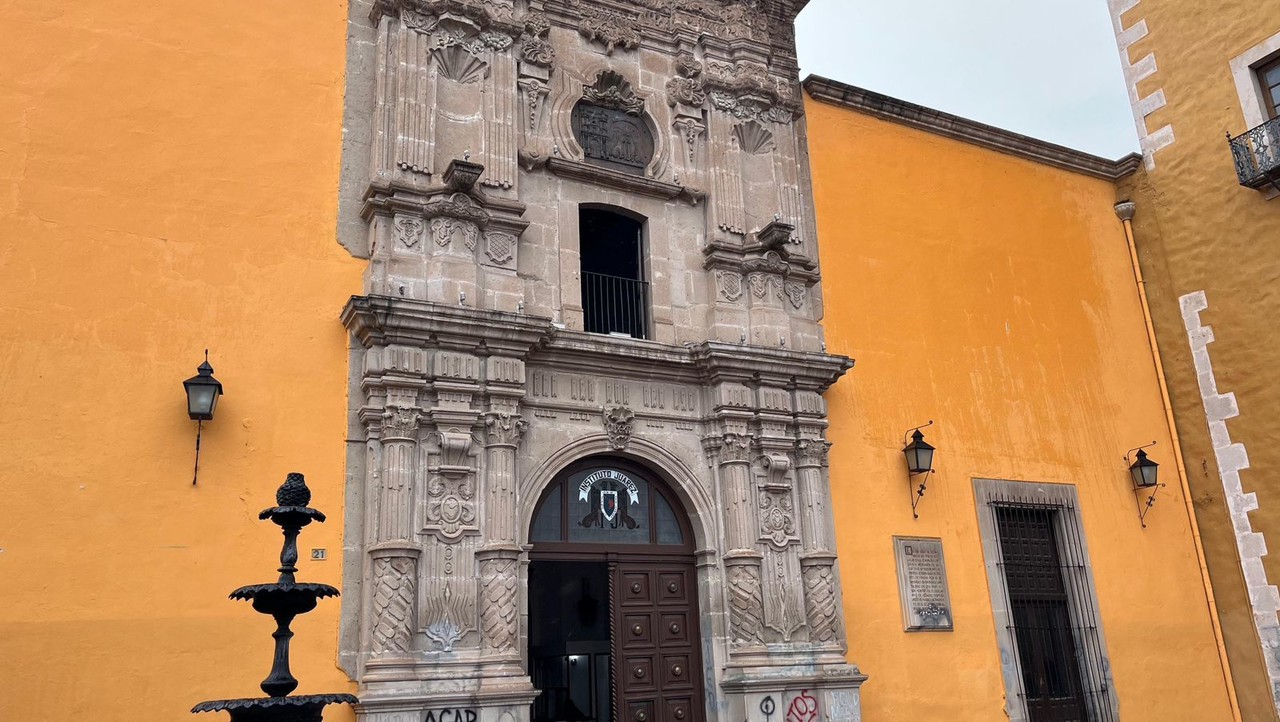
(612, 90)
(610, 29)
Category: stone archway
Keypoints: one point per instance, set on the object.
(608, 533)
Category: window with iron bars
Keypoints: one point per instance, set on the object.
(1043, 599)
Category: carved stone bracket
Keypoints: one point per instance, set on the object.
(686, 87)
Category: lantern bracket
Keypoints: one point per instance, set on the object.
(1144, 504)
(917, 492)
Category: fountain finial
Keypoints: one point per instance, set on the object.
(294, 491)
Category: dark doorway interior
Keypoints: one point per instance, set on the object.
(569, 640)
(615, 296)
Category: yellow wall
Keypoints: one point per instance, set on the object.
(996, 297)
(168, 182)
(1198, 230)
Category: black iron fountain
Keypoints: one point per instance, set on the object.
(283, 600)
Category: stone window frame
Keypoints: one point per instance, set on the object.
(1244, 73)
(1085, 614)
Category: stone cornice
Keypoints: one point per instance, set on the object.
(968, 131)
(385, 320)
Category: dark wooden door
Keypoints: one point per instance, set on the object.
(657, 660)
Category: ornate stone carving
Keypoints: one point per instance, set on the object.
(777, 518)
(729, 285)
(498, 605)
(408, 230)
(458, 61)
(458, 205)
(500, 247)
(534, 90)
(730, 448)
(753, 137)
(812, 452)
(496, 40)
(419, 22)
(535, 48)
(505, 429)
(609, 28)
(746, 604)
(612, 90)
(393, 597)
(447, 230)
(691, 130)
(451, 506)
(686, 87)
(400, 422)
(450, 613)
(820, 603)
(795, 292)
(618, 424)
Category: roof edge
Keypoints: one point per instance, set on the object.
(969, 131)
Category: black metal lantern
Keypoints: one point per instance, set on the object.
(1144, 471)
(203, 391)
(919, 454)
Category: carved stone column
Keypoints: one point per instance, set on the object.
(393, 559)
(742, 560)
(504, 431)
(817, 563)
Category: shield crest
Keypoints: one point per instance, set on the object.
(609, 504)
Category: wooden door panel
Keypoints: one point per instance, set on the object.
(675, 671)
(658, 668)
(673, 629)
(637, 631)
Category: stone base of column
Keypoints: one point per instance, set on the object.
(478, 700)
(786, 692)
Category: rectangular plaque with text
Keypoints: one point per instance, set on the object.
(922, 584)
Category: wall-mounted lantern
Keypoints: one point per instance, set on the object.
(203, 391)
(1143, 473)
(919, 461)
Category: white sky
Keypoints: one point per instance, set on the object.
(1045, 68)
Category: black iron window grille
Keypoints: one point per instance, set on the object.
(1256, 153)
(1051, 612)
(612, 304)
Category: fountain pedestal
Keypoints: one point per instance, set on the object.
(283, 599)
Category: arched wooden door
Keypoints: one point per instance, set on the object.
(613, 611)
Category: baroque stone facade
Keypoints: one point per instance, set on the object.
(473, 383)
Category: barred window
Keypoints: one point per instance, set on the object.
(1051, 644)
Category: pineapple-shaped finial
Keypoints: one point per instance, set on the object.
(294, 491)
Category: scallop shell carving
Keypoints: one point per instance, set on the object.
(753, 137)
(457, 63)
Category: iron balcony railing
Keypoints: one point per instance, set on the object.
(612, 304)
(1257, 155)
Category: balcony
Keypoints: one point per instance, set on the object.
(615, 305)
(1257, 155)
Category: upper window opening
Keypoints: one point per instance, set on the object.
(1269, 80)
(615, 296)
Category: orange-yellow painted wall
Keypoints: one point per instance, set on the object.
(1198, 230)
(168, 182)
(996, 297)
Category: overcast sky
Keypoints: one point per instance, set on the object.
(1045, 68)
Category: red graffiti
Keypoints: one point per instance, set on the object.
(804, 708)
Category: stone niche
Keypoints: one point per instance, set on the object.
(477, 131)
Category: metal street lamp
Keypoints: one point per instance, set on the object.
(203, 391)
(919, 461)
